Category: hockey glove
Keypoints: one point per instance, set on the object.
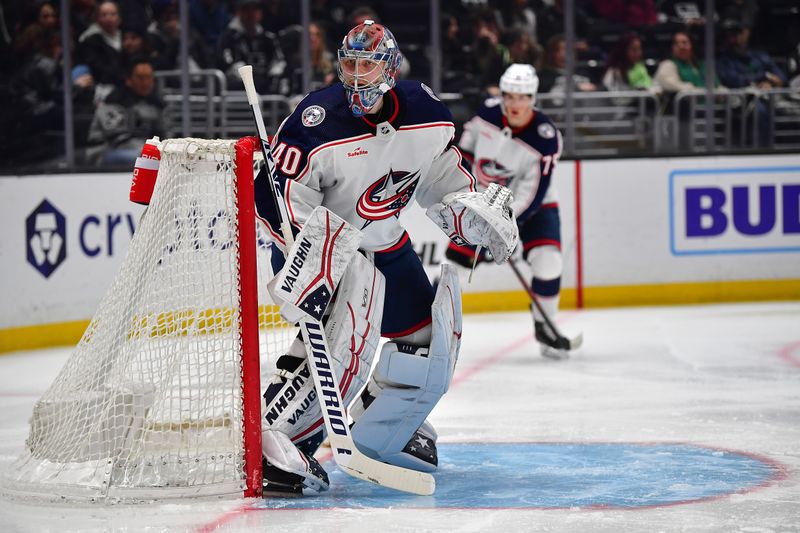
(479, 219)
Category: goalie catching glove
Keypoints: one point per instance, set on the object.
(479, 219)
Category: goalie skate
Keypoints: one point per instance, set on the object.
(278, 482)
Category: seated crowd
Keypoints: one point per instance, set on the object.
(118, 45)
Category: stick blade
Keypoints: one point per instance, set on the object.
(386, 475)
(576, 342)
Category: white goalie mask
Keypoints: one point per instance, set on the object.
(520, 78)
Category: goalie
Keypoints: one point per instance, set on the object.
(365, 148)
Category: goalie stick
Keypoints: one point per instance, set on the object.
(562, 341)
(347, 456)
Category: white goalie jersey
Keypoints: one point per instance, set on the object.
(522, 159)
(364, 172)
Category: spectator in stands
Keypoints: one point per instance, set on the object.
(550, 22)
(130, 115)
(517, 15)
(553, 76)
(135, 13)
(682, 71)
(625, 70)
(740, 66)
(245, 42)
(323, 71)
(489, 54)
(457, 76)
(41, 15)
(100, 46)
(36, 93)
(135, 43)
(209, 18)
(743, 11)
(47, 16)
(522, 48)
(164, 35)
(82, 15)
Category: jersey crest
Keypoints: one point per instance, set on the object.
(489, 171)
(313, 116)
(387, 196)
(546, 131)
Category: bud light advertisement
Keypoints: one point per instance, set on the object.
(735, 210)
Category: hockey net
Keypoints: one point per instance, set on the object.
(161, 397)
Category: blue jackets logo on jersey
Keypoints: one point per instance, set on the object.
(489, 171)
(387, 196)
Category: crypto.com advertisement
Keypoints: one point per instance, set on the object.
(63, 239)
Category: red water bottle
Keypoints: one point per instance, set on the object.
(145, 171)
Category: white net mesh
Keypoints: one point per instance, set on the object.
(149, 405)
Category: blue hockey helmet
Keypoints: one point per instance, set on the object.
(369, 60)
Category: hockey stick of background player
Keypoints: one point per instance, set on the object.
(563, 342)
(345, 453)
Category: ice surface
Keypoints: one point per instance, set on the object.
(683, 394)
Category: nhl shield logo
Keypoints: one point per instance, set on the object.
(313, 116)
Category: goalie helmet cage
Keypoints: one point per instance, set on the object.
(161, 397)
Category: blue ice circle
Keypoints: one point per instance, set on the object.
(558, 475)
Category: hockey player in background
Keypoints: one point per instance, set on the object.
(365, 149)
(512, 143)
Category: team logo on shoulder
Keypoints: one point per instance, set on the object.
(492, 101)
(430, 92)
(313, 116)
(387, 196)
(546, 131)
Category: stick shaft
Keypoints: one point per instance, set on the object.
(533, 297)
(246, 72)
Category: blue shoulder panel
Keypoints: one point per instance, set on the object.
(541, 135)
(420, 104)
(337, 123)
(491, 112)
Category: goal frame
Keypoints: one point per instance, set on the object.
(235, 460)
(245, 149)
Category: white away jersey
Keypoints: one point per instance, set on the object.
(521, 159)
(365, 173)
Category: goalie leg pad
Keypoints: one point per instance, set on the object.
(353, 332)
(407, 384)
